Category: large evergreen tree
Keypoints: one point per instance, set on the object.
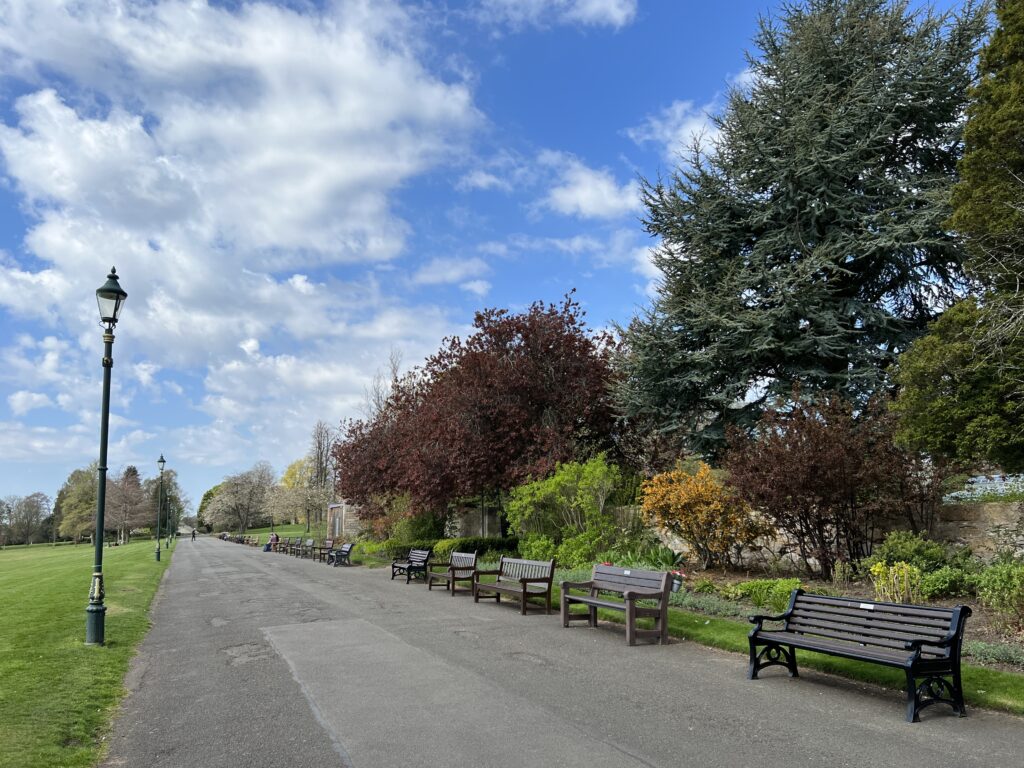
(807, 244)
(956, 404)
(989, 200)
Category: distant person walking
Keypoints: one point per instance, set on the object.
(193, 534)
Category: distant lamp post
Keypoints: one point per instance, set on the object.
(159, 504)
(110, 297)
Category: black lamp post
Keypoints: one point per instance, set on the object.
(110, 297)
(159, 504)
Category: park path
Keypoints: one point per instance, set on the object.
(262, 660)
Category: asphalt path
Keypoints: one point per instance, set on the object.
(263, 660)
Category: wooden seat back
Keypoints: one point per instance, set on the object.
(868, 623)
(514, 569)
(610, 578)
(462, 561)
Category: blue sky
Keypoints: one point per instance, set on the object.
(290, 191)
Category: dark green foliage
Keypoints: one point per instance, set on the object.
(948, 581)
(957, 404)
(808, 244)
(479, 544)
(918, 551)
(992, 168)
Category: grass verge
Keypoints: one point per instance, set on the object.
(58, 695)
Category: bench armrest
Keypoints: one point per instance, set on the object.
(760, 619)
(575, 585)
(915, 645)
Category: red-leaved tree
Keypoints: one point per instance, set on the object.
(519, 395)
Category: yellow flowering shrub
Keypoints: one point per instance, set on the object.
(714, 522)
(896, 583)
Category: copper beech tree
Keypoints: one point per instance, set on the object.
(522, 393)
(826, 475)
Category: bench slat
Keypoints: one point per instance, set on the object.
(924, 623)
(899, 609)
(856, 623)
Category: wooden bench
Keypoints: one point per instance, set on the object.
(340, 556)
(282, 544)
(460, 567)
(632, 584)
(302, 548)
(414, 565)
(924, 642)
(323, 551)
(522, 578)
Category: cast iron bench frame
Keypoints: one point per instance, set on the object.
(923, 641)
(340, 555)
(461, 566)
(632, 584)
(515, 576)
(414, 564)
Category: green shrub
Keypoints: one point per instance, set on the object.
(913, 548)
(584, 548)
(479, 544)
(768, 593)
(1001, 588)
(392, 549)
(948, 581)
(537, 546)
(704, 586)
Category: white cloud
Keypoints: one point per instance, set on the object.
(449, 270)
(677, 126)
(23, 401)
(477, 287)
(541, 13)
(144, 372)
(585, 192)
(238, 163)
(481, 180)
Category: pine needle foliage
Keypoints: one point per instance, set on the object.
(805, 243)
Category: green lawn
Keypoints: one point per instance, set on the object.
(57, 695)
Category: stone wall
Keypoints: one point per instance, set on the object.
(972, 523)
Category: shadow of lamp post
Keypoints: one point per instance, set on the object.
(110, 297)
(159, 504)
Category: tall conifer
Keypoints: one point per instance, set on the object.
(807, 245)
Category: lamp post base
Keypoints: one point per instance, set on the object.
(94, 619)
(158, 551)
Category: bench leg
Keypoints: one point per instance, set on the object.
(592, 615)
(769, 656)
(630, 622)
(912, 709)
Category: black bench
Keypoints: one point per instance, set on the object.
(460, 567)
(415, 565)
(340, 555)
(924, 642)
(633, 584)
(520, 578)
